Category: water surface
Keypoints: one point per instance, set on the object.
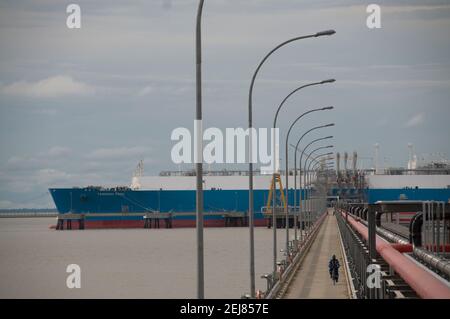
(127, 263)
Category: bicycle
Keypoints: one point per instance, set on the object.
(335, 277)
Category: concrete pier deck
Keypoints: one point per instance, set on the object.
(312, 279)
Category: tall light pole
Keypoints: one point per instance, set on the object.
(306, 175)
(286, 208)
(300, 175)
(199, 156)
(326, 165)
(309, 178)
(316, 168)
(251, 160)
(315, 171)
(274, 195)
(317, 161)
(295, 170)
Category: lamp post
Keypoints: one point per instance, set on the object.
(314, 171)
(274, 219)
(199, 156)
(250, 148)
(326, 166)
(295, 170)
(305, 178)
(300, 175)
(310, 170)
(309, 183)
(297, 215)
(286, 208)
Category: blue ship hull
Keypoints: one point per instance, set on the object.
(113, 201)
(93, 200)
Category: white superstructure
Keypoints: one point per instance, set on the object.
(410, 181)
(210, 182)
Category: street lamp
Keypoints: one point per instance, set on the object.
(316, 162)
(274, 219)
(286, 208)
(250, 152)
(199, 155)
(326, 163)
(300, 176)
(321, 200)
(323, 166)
(307, 173)
(295, 167)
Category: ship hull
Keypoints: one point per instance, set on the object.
(118, 209)
(139, 223)
(115, 208)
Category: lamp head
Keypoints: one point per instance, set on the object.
(326, 32)
(331, 136)
(331, 124)
(328, 81)
(328, 108)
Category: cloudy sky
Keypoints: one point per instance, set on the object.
(83, 106)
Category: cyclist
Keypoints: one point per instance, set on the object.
(333, 267)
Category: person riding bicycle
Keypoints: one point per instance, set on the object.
(333, 267)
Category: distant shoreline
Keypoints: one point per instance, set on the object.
(29, 210)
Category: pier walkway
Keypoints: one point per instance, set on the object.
(312, 279)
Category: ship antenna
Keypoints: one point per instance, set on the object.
(141, 168)
(138, 173)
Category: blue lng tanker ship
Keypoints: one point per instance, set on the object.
(226, 192)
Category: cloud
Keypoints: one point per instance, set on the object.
(49, 176)
(382, 122)
(416, 120)
(397, 84)
(38, 179)
(55, 86)
(117, 153)
(167, 4)
(6, 204)
(25, 163)
(146, 91)
(45, 112)
(416, 8)
(58, 151)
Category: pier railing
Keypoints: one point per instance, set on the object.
(278, 282)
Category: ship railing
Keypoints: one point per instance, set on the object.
(279, 210)
(213, 173)
(442, 169)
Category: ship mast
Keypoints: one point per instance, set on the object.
(138, 173)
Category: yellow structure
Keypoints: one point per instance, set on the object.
(276, 178)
